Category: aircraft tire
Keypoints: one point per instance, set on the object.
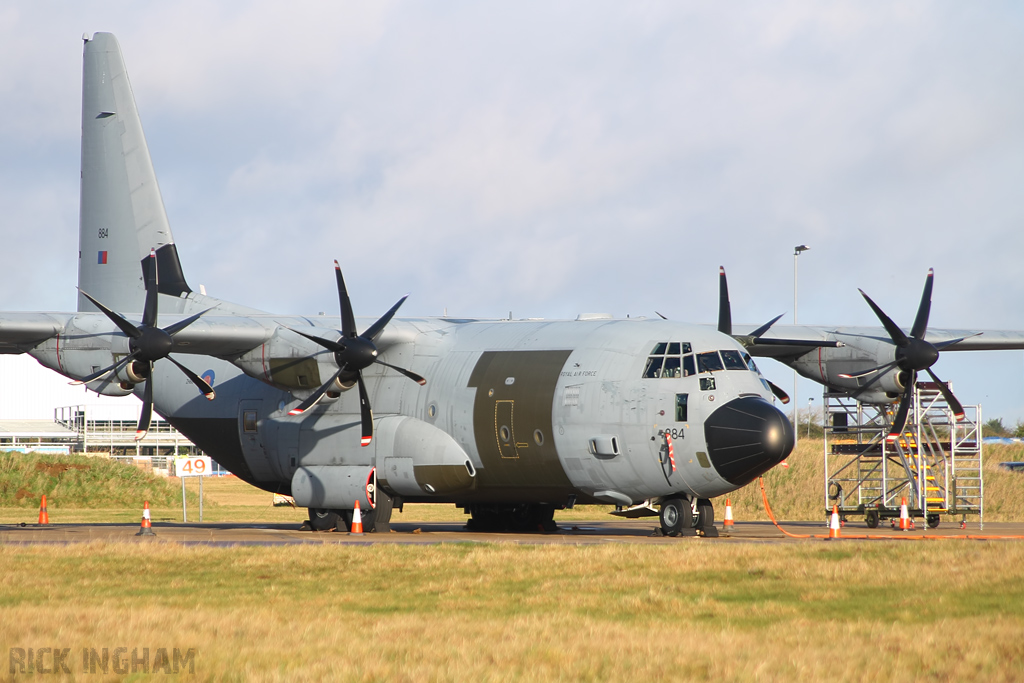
(323, 520)
(676, 516)
(705, 517)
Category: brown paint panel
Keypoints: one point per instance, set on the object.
(514, 397)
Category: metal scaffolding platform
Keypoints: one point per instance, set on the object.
(935, 463)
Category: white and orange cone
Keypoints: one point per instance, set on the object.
(357, 521)
(904, 515)
(44, 516)
(146, 529)
(727, 523)
(833, 524)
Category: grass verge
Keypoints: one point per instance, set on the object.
(693, 610)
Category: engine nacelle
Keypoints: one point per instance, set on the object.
(858, 355)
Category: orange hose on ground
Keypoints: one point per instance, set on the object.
(876, 537)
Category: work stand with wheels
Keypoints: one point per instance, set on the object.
(935, 463)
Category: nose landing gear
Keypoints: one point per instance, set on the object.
(678, 517)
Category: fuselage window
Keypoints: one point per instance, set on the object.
(733, 360)
(673, 349)
(709, 362)
(659, 349)
(672, 367)
(681, 407)
(653, 368)
(688, 366)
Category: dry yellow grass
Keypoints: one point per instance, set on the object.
(695, 610)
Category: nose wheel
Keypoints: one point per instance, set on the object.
(676, 517)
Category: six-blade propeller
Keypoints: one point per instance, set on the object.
(147, 344)
(353, 352)
(913, 354)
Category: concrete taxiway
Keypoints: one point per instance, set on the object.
(574, 533)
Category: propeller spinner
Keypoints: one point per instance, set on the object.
(913, 354)
(147, 344)
(353, 353)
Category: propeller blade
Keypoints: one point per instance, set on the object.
(326, 343)
(779, 393)
(810, 343)
(921, 321)
(660, 316)
(881, 373)
(146, 416)
(130, 330)
(895, 333)
(200, 383)
(149, 311)
(315, 397)
(900, 421)
(942, 345)
(724, 307)
(105, 371)
(767, 326)
(366, 414)
(348, 319)
(374, 329)
(182, 324)
(408, 373)
(863, 373)
(955, 406)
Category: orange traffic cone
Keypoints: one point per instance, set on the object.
(146, 528)
(904, 516)
(357, 521)
(833, 525)
(727, 523)
(44, 516)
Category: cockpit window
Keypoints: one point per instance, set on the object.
(672, 365)
(709, 362)
(733, 360)
(653, 368)
(750, 363)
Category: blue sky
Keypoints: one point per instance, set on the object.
(552, 158)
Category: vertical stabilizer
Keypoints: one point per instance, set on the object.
(122, 213)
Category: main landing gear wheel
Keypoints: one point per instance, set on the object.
(323, 520)
(676, 517)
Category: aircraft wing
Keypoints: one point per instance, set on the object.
(813, 336)
(20, 332)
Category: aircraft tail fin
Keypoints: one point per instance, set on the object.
(122, 214)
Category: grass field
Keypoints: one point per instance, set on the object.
(693, 610)
(696, 610)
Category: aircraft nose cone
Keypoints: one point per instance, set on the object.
(747, 437)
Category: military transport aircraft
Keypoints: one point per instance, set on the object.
(510, 420)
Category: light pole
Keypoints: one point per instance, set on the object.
(797, 250)
(809, 401)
